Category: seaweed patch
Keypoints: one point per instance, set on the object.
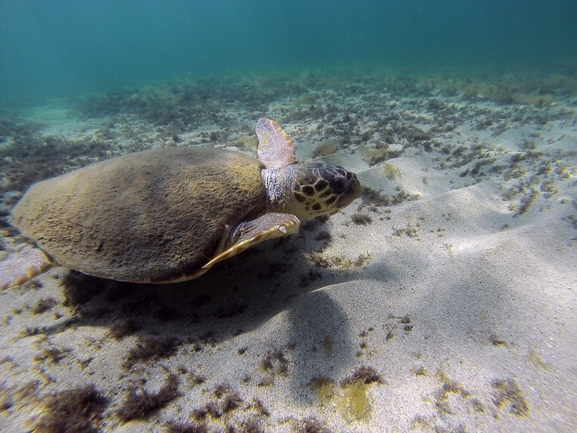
(75, 410)
(140, 404)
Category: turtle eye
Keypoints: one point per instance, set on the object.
(338, 186)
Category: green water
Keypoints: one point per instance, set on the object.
(51, 49)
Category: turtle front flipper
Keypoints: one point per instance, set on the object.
(22, 265)
(275, 147)
(250, 233)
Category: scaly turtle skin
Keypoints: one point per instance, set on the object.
(168, 215)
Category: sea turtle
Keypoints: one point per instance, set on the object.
(168, 215)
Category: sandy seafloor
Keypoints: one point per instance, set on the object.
(445, 299)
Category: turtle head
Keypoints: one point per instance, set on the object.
(322, 189)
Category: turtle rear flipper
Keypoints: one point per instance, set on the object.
(249, 233)
(22, 265)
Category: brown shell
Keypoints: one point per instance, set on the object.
(155, 216)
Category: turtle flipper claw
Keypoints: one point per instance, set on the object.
(23, 265)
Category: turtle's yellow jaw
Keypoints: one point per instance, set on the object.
(321, 189)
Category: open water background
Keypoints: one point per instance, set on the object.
(59, 48)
